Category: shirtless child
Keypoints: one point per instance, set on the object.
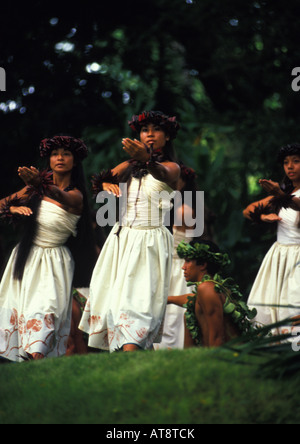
(215, 313)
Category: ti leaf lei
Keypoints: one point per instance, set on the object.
(234, 306)
(202, 251)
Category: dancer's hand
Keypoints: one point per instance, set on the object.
(136, 150)
(21, 211)
(112, 188)
(270, 218)
(271, 187)
(31, 176)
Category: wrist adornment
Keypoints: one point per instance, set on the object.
(5, 213)
(155, 156)
(255, 215)
(106, 176)
(283, 201)
(46, 180)
(152, 164)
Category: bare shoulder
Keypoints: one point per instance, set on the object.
(172, 173)
(173, 168)
(184, 209)
(206, 289)
(207, 296)
(76, 194)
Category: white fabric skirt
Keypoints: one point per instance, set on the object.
(277, 285)
(35, 313)
(129, 289)
(173, 331)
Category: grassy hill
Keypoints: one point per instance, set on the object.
(167, 387)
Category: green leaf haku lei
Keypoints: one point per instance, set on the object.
(201, 251)
(234, 305)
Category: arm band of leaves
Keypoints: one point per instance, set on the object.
(5, 213)
(46, 180)
(104, 177)
(282, 202)
(258, 212)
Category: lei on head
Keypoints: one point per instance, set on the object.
(72, 144)
(168, 124)
(201, 251)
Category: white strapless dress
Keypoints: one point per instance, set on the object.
(35, 313)
(276, 290)
(129, 286)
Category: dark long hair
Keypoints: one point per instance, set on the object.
(29, 232)
(189, 179)
(83, 247)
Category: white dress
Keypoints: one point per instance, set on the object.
(278, 281)
(173, 331)
(35, 313)
(130, 282)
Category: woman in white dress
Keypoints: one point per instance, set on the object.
(129, 286)
(36, 288)
(275, 293)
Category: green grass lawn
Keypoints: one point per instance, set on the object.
(167, 387)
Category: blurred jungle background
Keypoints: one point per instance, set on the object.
(223, 67)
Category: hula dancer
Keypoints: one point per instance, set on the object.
(36, 288)
(275, 292)
(129, 287)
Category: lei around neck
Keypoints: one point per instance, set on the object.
(234, 306)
